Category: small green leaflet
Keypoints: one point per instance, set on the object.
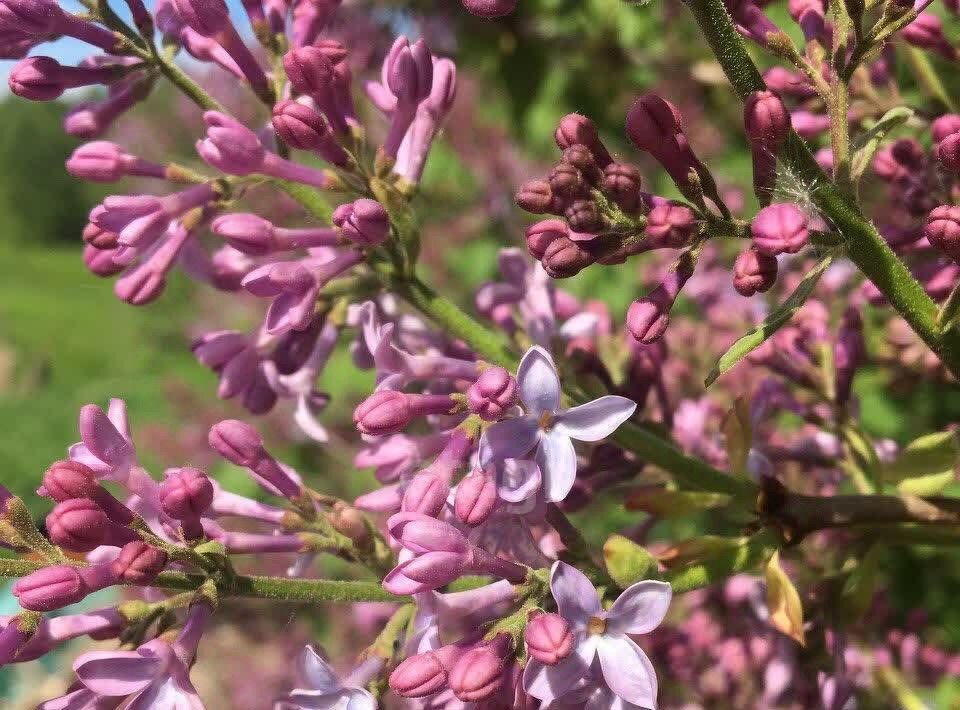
(867, 145)
(776, 320)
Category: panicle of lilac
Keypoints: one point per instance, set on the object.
(92, 119)
(648, 317)
(302, 127)
(103, 161)
(780, 228)
(256, 236)
(42, 78)
(240, 444)
(234, 149)
(211, 18)
(45, 19)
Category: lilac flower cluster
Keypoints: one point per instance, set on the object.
(482, 439)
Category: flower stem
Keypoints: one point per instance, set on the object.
(863, 242)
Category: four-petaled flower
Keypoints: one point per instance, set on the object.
(547, 429)
(324, 689)
(602, 645)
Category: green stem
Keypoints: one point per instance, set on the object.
(950, 311)
(188, 86)
(865, 247)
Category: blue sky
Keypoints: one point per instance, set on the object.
(70, 51)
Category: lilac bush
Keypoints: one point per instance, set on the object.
(488, 432)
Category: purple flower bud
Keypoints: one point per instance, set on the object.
(584, 216)
(103, 161)
(942, 230)
(779, 228)
(542, 234)
(145, 283)
(383, 412)
(490, 8)
(766, 119)
(566, 181)
(230, 146)
(363, 221)
(944, 126)
(248, 233)
(647, 318)
(427, 494)
(208, 17)
(69, 480)
(476, 498)
(50, 588)
(494, 392)
(621, 181)
(44, 78)
(535, 197)
(101, 262)
(564, 258)
(80, 525)
(237, 442)
(139, 563)
(670, 225)
(788, 83)
(577, 129)
(91, 119)
(947, 151)
(186, 493)
(808, 124)
(926, 32)
(581, 157)
(653, 123)
(549, 638)
(419, 675)
(98, 237)
(480, 672)
(754, 272)
(303, 128)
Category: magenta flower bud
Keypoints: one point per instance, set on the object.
(926, 32)
(98, 237)
(942, 230)
(767, 123)
(780, 228)
(535, 197)
(490, 8)
(139, 563)
(103, 161)
(248, 233)
(653, 123)
(45, 79)
(564, 258)
(312, 72)
(494, 392)
(68, 480)
(237, 442)
(549, 638)
(146, 282)
(383, 412)
(419, 675)
(621, 181)
(754, 272)
(186, 493)
(303, 128)
(576, 129)
(476, 499)
(544, 233)
(788, 83)
(480, 672)
(808, 124)
(363, 221)
(101, 262)
(670, 225)
(230, 146)
(91, 119)
(647, 318)
(208, 17)
(427, 493)
(50, 588)
(944, 126)
(80, 525)
(947, 151)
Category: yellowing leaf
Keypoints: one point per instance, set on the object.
(739, 433)
(667, 503)
(627, 562)
(783, 602)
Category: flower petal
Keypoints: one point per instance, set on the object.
(576, 598)
(510, 439)
(628, 671)
(595, 420)
(166, 693)
(558, 465)
(316, 673)
(538, 381)
(640, 609)
(550, 682)
(116, 672)
(101, 437)
(518, 479)
(359, 699)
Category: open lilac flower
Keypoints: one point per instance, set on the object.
(547, 429)
(601, 637)
(325, 691)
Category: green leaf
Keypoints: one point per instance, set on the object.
(866, 145)
(929, 455)
(627, 562)
(776, 320)
(666, 503)
(860, 585)
(930, 485)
